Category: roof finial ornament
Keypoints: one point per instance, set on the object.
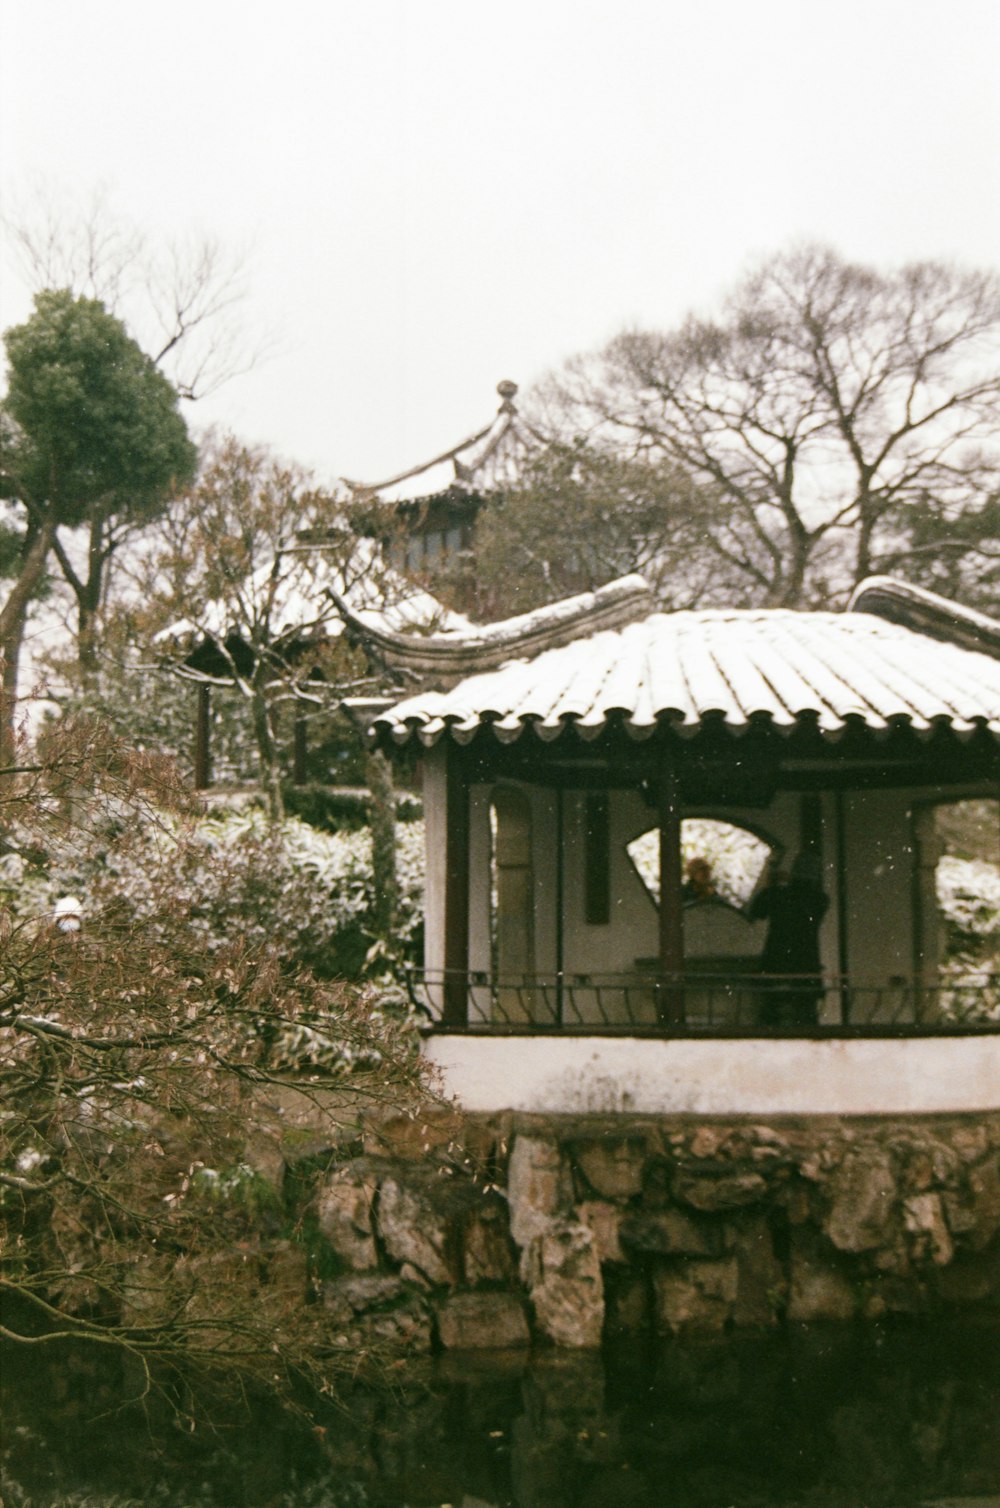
(508, 392)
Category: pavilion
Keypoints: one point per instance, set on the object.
(564, 754)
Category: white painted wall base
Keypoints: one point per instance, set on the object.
(649, 1076)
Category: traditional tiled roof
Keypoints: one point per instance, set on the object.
(302, 609)
(445, 657)
(484, 462)
(790, 668)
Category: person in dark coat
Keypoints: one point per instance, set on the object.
(793, 905)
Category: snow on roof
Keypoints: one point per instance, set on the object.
(303, 607)
(489, 459)
(832, 669)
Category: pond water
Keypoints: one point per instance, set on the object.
(866, 1418)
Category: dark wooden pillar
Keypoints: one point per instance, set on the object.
(203, 740)
(456, 892)
(671, 1003)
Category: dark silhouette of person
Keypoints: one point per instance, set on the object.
(793, 905)
(699, 885)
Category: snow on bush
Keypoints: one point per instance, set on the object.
(302, 893)
(968, 892)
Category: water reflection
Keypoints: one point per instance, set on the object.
(829, 1420)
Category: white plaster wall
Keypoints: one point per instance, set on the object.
(877, 839)
(860, 1076)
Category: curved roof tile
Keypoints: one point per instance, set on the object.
(831, 668)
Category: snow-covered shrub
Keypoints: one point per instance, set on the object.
(968, 892)
(304, 895)
(736, 856)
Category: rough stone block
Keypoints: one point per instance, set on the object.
(673, 1232)
(535, 1186)
(923, 1218)
(416, 1230)
(344, 1215)
(818, 1289)
(695, 1295)
(488, 1254)
(604, 1220)
(612, 1166)
(719, 1186)
(482, 1321)
(984, 1186)
(627, 1299)
(563, 1271)
(760, 1278)
(373, 1310)
(863, 1200)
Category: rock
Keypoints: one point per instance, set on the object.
(604, 1220)
(984, 1186)
(706, 1142)
(482, 1321)
(760, 1278)
(923, 1218)
(487, 1252)
(410, 1274)
(672, 1232)
(563, 1272)
(369, 1310)
(535, 1187)
(719, 1186)
(410, 1137)
(612, 1167)
(863, 1201)
(418, 1227)
(818, 1289)
(971, 1280)
(344, 1215)
(926, 1161)
(971, 1142)
(697, 1296)
(627, 1301)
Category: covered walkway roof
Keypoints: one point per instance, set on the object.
(934, 665)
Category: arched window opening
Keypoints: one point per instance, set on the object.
(735, 857)
(957, 905)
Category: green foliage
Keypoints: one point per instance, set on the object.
(94, 424)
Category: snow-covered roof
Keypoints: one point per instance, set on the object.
(303, 602)
(485, 461)
(830, 670)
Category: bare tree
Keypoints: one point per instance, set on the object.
(244, 561)
(836, 411)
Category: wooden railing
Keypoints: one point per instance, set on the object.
(697, 1003)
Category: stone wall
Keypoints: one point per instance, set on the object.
(497, 1231)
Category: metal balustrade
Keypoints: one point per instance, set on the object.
(697, 1003)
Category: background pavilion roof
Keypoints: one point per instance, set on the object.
(490, 459)
(740, 666)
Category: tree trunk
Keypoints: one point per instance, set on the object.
(267, 756)
(383, 824)
(13, 617)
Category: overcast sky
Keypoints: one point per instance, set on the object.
(438, 195)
